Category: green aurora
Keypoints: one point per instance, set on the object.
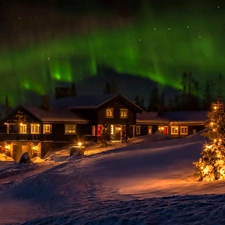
(158, 46)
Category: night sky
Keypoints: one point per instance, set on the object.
(47, 42)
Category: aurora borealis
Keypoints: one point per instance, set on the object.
(47, 42)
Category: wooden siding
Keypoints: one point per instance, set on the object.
(144, 129)
(116, 105)
(191, 130)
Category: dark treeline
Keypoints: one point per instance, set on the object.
(190, 96)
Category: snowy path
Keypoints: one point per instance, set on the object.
(12, 210)
(177, 210)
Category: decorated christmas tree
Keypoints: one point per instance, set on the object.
(211, 166)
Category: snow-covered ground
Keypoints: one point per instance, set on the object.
(147, 181)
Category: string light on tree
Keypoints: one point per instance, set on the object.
(211, 166)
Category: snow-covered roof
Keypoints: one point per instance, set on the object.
(151, 117)
(83, 101)
(172, 117)
(89, 101)
(55, 115)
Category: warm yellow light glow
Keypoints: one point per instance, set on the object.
(214, 130)
(215, 107)
(211, 123)
(205, 170)
(21, 124)
(7, 146)
(220, 140)
(214, 140)
(79, 143)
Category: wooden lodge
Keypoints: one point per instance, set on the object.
(70, 119)
(66, 121)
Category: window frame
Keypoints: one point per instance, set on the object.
(183, 127)
(122, 112)
(138, 129)
(112, 129)
(149, 128)
(109, 110)
(45, 131)
(67, 131)
(23, 127)
(35, 125)
(175, 128)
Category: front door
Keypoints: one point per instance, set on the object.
(165, 130)
(117, 132)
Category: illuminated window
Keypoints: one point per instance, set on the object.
(109, 113)
(123, 113)
(138, 130)
(112, 129)
(23, 128)
(174, 130)
(149, 129)
(70, 128)
(184, 130)
(35, 128)
(47, 129)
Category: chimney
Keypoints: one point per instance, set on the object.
(45, 103)
(61, 92)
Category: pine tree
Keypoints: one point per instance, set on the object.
(211, 166)
(189, 92)
(207, 95)
(73, 89)
(142, 103)
(114, 88)
(107, 88)
(7, 105)
(154, 100)
(137, 100)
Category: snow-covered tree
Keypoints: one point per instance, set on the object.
(211, 166)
